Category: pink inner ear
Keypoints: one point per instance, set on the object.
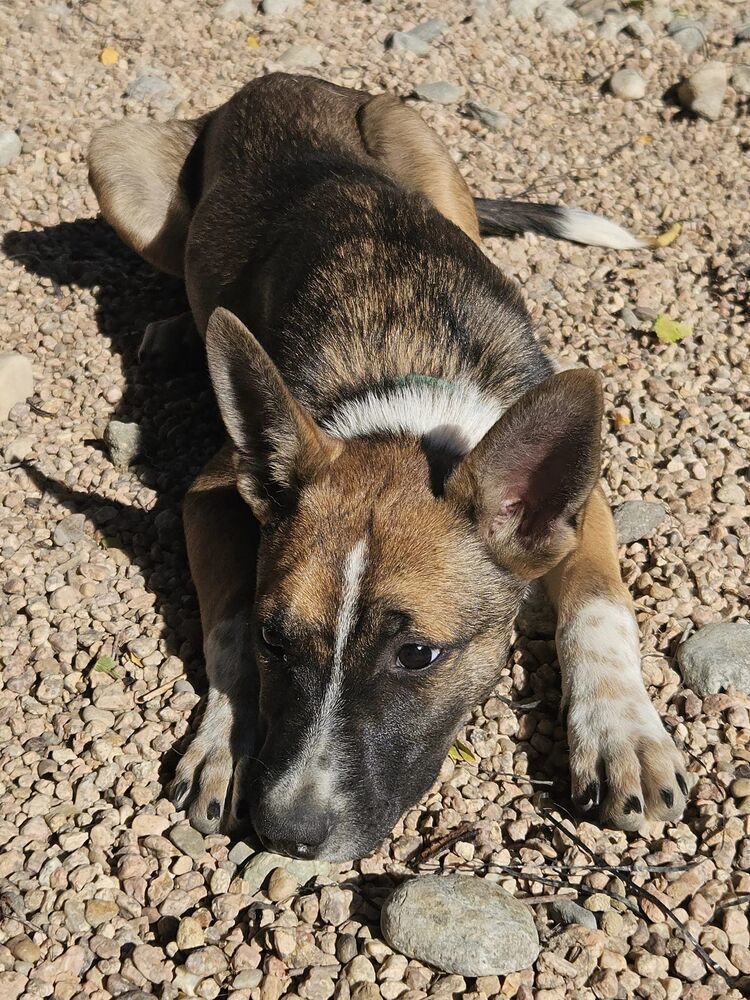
(507, 510)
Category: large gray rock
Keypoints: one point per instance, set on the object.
(716, 657)
(637, 519)
(260, 866)
(302, 55)
(490, 117)
(689, 33)
(703, 91)
(16, 381)
(439, 92)
(460, 924)
(10, 146)
(556, 18)
(430, 30)
(124, 441)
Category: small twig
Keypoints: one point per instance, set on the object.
(155, 692)
(39, 411)
(441, 844)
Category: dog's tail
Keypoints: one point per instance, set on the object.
(499, 217)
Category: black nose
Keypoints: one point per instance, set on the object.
(299, 832)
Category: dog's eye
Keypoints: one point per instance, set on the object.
(415, 656)
(272, 640)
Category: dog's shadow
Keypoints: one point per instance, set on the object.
(175, 410)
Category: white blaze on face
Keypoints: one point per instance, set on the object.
(312, 768)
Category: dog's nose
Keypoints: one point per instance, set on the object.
(299, 834)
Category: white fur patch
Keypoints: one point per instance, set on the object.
(580, 226)
(307, 771)
(455, 415)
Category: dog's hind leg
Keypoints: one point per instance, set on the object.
(621, 758)
(401, 141)
(221, 536)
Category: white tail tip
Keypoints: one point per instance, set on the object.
(594, 230)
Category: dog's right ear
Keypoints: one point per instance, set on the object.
(141, 173)
(279, 447)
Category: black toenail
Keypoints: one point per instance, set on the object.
(632, 805)
(214, 809)
(590, 796)
(668, 795)
(683, 785)
(180, 790)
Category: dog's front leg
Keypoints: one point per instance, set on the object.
(621, 758)
(221, 536)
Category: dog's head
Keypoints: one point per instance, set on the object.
(384, 604)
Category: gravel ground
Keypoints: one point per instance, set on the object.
(104, 891)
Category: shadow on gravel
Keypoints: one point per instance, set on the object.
(176, 412)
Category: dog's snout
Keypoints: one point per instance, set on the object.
(299, 831)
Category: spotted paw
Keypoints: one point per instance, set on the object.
(623, 763)
(204, 774)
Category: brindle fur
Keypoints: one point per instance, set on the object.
(337, 229)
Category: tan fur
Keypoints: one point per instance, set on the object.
(134, 169)
(400, 139)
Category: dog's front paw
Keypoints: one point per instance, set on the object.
(623, 762)
(203, 776)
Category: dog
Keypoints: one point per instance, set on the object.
(403, 459)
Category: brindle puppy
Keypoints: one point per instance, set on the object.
(403, 460)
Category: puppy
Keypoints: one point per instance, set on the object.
(403, 459)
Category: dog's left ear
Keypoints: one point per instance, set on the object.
(530, 475)
(279, 447)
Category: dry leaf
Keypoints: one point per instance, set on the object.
(668, 236)
(108, 56)
(669, 330)
(461, 753)
(646, 139)
(252, 42)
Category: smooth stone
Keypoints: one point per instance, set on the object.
(232, 9)
(523, 10)
(637, 519)
(124, 441)
(439, 92)
(69, 530)
(556, 18)
(404, 41)
(429, 30)
(566, 911)
(16, 381)
(302, 55)
(703, 91)
(10, 146)
(741, 80)
(188, 840)
(147, 86)
(689, 33)
(628, 85)
(460, 924)
(275, 7)
(189, 934)
(262, 864)
(716, 657)
(488, 116)
(240, 852)
(19, 449)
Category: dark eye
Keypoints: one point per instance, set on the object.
(415, 656)
(272, 640)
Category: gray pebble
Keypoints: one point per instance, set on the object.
(628, 85)
(405, 41)
(16, 381)
(69, 530)
(630, 319)
(124, 441)
(488, 116)
(430, 30)
(741, 80)
(523, 10)
(439, 92)
(716, 657)
(281, 6)
(566, 911)
(19, 449)
(689, 33)
(460, 924)
(10, 146)
(637, 519)
(240, 852)
(232, 9)
(262, 864)
(556, 18)
(189, 840)
(704, 90)
(148, 86)
(301, 55)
